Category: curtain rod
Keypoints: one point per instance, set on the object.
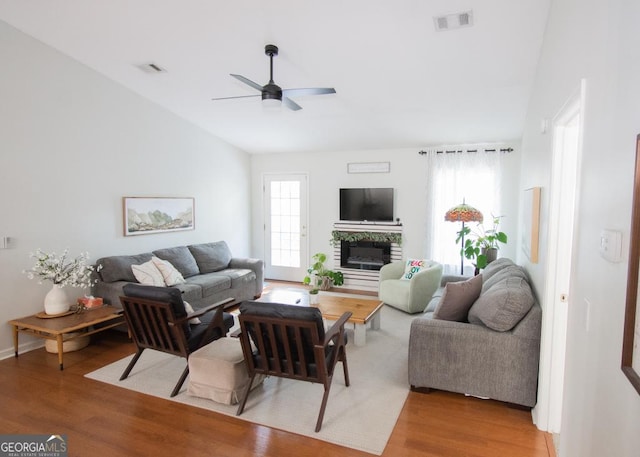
(506, 150)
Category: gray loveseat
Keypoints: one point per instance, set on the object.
(492, 352)
(209, 271)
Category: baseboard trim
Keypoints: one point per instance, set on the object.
(22, 348)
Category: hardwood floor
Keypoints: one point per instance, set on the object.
(100, 419)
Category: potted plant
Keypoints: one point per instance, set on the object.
(482, 244)
(321, 278)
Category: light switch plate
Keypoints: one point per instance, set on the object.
(611, 245)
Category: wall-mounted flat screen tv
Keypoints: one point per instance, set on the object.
(366, 204)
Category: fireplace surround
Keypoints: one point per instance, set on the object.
(361, 249)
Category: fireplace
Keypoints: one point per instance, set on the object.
(361, 249)
(364, 255)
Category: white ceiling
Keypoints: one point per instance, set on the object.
(399, 83)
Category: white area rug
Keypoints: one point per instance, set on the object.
(361, 416)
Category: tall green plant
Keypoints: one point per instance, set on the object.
(477, 241)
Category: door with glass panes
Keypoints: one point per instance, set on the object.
(285, 197)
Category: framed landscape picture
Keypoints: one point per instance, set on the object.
(146, 215)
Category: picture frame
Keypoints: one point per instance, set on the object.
(148, 215)
(631, 339)
(531, 223)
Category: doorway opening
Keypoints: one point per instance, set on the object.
(563, 198)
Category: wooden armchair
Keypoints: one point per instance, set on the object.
(157, 319)
(290, 342)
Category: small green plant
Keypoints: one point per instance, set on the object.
(319, 277)
(478, 241)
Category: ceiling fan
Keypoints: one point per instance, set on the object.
(272, 93)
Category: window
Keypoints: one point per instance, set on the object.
(473, 177)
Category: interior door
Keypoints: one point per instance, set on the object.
(286, 242)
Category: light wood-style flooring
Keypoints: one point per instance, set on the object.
(100, 419)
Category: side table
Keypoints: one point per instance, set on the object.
(56, 327)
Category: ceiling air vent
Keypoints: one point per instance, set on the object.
(453, 21)
(151, 68)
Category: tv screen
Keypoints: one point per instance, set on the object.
(368, 204)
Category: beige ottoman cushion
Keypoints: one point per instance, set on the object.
(218, 371)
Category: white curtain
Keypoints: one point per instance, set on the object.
(472, 177)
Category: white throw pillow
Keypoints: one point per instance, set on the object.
(170, 274)
(148, 274)
(189, 309)
(412, 267)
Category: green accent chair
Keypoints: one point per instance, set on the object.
(409, 295)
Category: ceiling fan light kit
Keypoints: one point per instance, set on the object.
(272, 93)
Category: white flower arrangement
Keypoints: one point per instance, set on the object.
(61, 271)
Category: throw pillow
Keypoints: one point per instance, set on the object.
(170, 274)
(148, 274)
(503, 305)
(189, 309)
(211, 257)
(181, 258)
(457, 299)
(118, 268)
(496, 266)
(412, 267)
(512, 271)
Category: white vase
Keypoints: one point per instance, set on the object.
(56, 301)
(313, 299)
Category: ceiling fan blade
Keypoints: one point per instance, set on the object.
(291, 104)
(239, 96)
(309, 91)
(248, 82)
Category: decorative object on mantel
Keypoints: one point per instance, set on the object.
(319, 277)
(369, 167)
(483, 245)
(381, 237)
(61, 272)
(463, 213)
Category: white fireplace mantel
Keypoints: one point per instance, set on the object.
(366, 280)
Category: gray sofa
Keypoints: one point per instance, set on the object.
(493, 352)
(209, 271)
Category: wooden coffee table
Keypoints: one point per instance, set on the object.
(332, 307)
(54, 328)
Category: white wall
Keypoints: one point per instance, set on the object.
(328, 173)
(597, 41)
(72, 144)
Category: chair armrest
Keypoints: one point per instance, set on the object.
(206, 309)
(422, 286)
(337, 327)
(393, 270)
(453, 278)
(255, 265)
